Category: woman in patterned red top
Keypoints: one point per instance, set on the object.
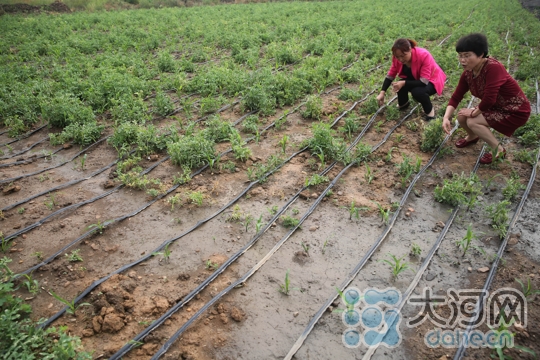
(504, 106)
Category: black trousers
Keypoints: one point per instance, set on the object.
(419, 93)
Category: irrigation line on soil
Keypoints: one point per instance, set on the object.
(300, 341)
(24, 150)
(460, 353)
(78, 205)
(158, 322)
(421, 270)
(55, 166)
(31, 158)
(125, 267)
(278, 245)
(28, 134)
(59, 187)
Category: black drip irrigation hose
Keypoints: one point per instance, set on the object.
(56, 166)
(300, 341)
(422, 268)
(77, 205)
(59, 187)
(28, 134)
(25, 150)
(158, 322)
(125, 267)
(460, 353)
(278, 245)
(31, 159)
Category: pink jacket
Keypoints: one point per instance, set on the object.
(423, 68)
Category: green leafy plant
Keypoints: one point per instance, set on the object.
(527, 289)
(259, 224)
(369, 176)
(289, 221)
(355, 211)
(21, 210)
(525, 156)
(385, 213)
(236, 214)
(314, 107)
(273, 210)
(283, 143)
(498, 213)
(416, 250)
(466, 242)
(513, 186)
(32, 285)
(97, 227)
(397, 265)
(315, 180)
(71, 307)
(74, 256)
(211, 265)
(285, 288)
(432, 136)
(173, 200)
(461, 189)
(50, 203)
(83, 161)
(247, 221)
(196, 197)
(166, 253)
(412, 125)
(305, 247)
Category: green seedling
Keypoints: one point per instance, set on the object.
(285, 288)
(399, 138)
(6, 244)
(247, 221)
(97, 227)
(503, 331)
(385, 213)
(369, 176)
(315, 180)
(498, 213)
(135, 343)
(378, 127)
(465, 243)
(236, 215)
(31, 284)
(397, 265)
(412, 125)
(283, 143)
(5, 272)
(71, 307)
(460, 190)
(416, 250)
(38, 255)
(259, 224)
(211, 265)
(527, 290)
(324, 247)
(166, 253)
(273, 210)
(513, 186)
(354, 211)
(83, 161)
(173, 200)
(388, 157)
(21, 210)
(196, 197)
(295, 211)
(525, 156)
(42, 178)
(74, 256)
(51, 201)
(289, 221)
(153, 192)
(305, 247)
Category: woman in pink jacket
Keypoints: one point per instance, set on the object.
(419, 74)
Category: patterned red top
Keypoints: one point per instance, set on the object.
(504, 105)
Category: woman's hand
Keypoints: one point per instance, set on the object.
(446, 125)
(380, 98)
(398, 85)
(466, 112)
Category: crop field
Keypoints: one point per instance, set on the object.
(213, 182)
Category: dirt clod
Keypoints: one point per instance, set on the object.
(112, 323)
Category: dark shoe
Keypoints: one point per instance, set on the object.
(487, 158)
(428, 118)
(461, 143)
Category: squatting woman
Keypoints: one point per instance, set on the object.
(503, 104)
(419, 75)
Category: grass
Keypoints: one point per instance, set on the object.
(460, 190)
(432, 136)
(289, 221)
(71, 307)
(166, 253)
(416, 250)
(385, 213)
(527, 289)
(498, 214)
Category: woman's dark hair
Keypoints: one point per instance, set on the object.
(477, 43)
(405, 45)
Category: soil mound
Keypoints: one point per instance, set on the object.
(56, 6)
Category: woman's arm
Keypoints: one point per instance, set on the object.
(446, 125)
